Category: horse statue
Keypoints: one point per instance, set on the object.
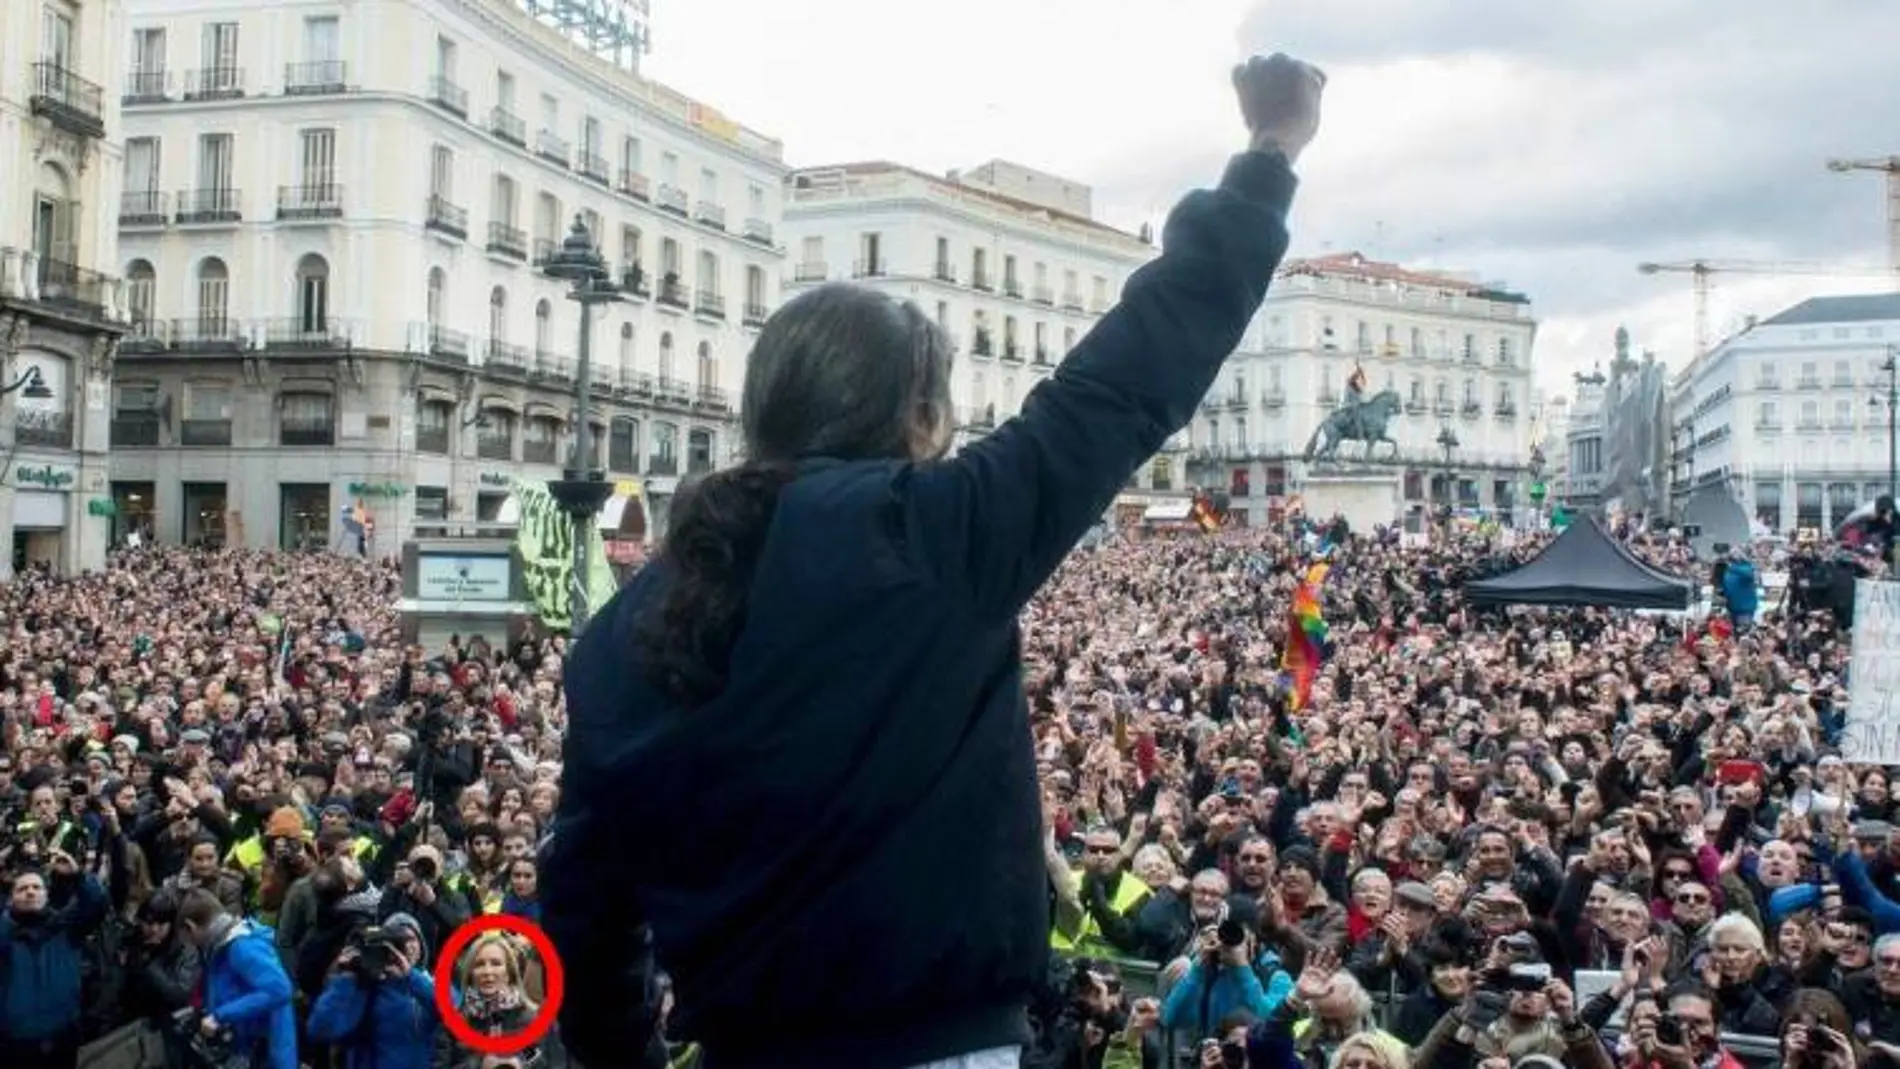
(1364, 421)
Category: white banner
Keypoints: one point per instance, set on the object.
(1873, 718)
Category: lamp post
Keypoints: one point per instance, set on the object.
(582, 489)
(1448, 441)
(31, 384)
(1891, 366)
(1536, 469)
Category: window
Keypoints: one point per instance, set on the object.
(699, 452)
(591, 137)
(870, 254)
(664, 458)
(550, 112)
(630, 158)
(214, 161)
(623, 445)
(214, 295)
(666, 358)
(630, 245)
(434, 420)
(1009, 272)
(708, 272)
(148, 59)
(543, 328)
(591, 220)
(709, 185)
(1505, 355)
(502, 202)
(207, 402)
(707, 368)
(979, 393)
(1068, 340)
(321, 40)
(1470, 349)
(318, 153)
(442, 173)
(438, 282)
(313, 294)
(979, 268)
(669, 168)
(56, 36)
(755, 294)
(670, 257)
(1417, 345)
(547, 218)
(1843, 373)
(1765, 415)
(505, 91)
(755, 200)
(498, 314)
(141, 286)
(1843, 414)
(1810, 414)
(141, 171)
(306, 419)
(220, 56)
(445, 59)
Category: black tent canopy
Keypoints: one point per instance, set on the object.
(1583, 566)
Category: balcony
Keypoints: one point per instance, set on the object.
(306, 432)
(672, 294)
(663, 464)
(539, 451)
(550, 368)
(981, 281)
(131, 429)
(495, 446)
(309, 204)
(1506, 412)
(214, 83)
(544, 250)
(509, 241)
(944, 271)
(758, 232)
(42, 428)
(1328, 397)
(446, 218)
(75, 288)
(872, 268)
(207, 333)
(593, 167)
(755, 315)
(204, 432)
(1012, 352)
(1442, 407)
(981, 344)
(1043, 295)
(1808, 382)
(709, 304)
(671, 199)
(146, 87)
(634, 384)
(1274, 399)
(710, 214)
(446, 344)
(315, 79)
(508, 126)
(445, 94)
(1768, 426)
(673, 391)
(634, 184)
(712, 397)
(68, 101)
(144, 208)
(432, 440)
(314, 333)
(813, 272)
(1471, 410)
(633, 281)
(1072, 302)
(504, 358)
(553, 148)
(214, 206)
(1012, 288)
(1040, 358)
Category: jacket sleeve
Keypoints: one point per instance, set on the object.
(268, 986)
(337, 1010)
(999, 518)
(1184, 998)
(598, 932)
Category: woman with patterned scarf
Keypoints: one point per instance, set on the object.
(494, 984)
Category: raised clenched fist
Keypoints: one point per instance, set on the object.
(1279, 98)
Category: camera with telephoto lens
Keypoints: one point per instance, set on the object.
(202, 1051)
(376, 950)
(1231, 933)
(423, 869)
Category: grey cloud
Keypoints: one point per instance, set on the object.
(1640, 129)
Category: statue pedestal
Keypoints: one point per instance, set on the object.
(1367, 496)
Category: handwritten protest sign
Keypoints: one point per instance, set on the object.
(1873, 715)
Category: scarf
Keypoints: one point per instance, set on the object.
(479, 1007)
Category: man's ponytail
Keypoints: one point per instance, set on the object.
(714, 537)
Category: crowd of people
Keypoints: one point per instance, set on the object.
(240, 814)
(240, 818)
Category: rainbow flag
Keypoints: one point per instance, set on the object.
(1305, 637)
(1204, 514)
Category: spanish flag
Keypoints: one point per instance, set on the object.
(1305, 638)
(1357, 383)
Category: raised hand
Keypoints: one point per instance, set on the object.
(1279, 98)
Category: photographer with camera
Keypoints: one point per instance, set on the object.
(41, 960)
(378, 1007)
(1230, 972)
(161, 970)
(1675, 1031)
(246, 989)
(1516, 1009)
(419, 889)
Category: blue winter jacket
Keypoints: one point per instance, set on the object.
(40, 964)
(1192, 1007)
(1740, 588)
(399, 1031)
(247, 988)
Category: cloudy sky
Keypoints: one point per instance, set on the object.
(1549, 144)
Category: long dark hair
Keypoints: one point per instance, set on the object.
(841, 372)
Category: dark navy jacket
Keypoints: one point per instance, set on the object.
(839, 857)
(40, 965)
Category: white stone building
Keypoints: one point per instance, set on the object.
(332, 231)
(1791, 413)
(1009, 260)
(59, 317)
(1584, 449)
(1457, 352)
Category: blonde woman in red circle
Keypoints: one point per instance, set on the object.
(495, 985)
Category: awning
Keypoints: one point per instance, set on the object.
(1169, 512)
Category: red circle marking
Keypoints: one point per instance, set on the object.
(511, 1042)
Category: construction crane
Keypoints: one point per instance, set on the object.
(1889, 166)
(1701, 272)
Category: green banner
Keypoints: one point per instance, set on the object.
(544, 537)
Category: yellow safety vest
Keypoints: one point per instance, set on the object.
(1088, 939)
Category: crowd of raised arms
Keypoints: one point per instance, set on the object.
(1488, 839)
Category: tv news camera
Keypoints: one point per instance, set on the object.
(201, 1051)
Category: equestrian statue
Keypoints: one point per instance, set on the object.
(1356, 421)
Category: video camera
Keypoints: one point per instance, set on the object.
(206, 1052)
(376, 950)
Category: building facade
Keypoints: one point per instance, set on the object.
(334, 225)
(1791, 414)
(1007, 259)
(1456, 352)
(59, 314)
(1583, 469)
